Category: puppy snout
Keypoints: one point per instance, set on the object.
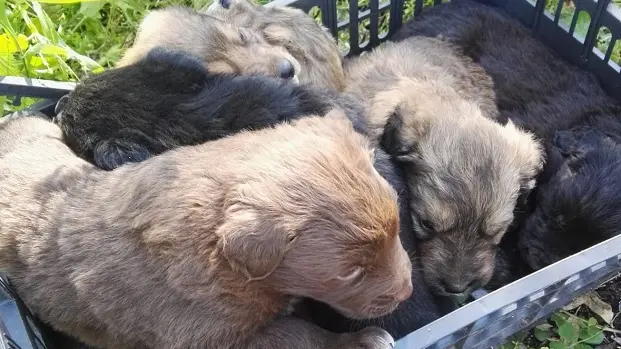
(459, 287)
(405, 292)
(286, 70)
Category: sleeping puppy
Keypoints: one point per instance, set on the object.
(311, 44)
(168, 99)
(420, 309)
(433, 111)
(534, 88)
(221, 252)
(577, 205)
(223, 48)
(542, 93)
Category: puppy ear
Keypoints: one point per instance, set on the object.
(252, 244)
(180, 69)
(126, 146)
(112, 153)
(527, 154)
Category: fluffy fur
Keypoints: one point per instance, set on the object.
(174, 252)
(433, 111)
(310, 43)
(534, 88)
(578, 203)
(223, 48)
(420, 309)
(168, 99)
(542, 93)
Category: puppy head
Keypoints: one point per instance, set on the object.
(310, 43)
(465, 174)
(324, 225)
(576, 207)
(223, 48)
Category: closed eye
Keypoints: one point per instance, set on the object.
(352, 275)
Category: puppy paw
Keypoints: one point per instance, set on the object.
(110, 154)
(368, 338)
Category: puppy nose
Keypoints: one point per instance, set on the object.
(405, 292)
(286, 70)
(459, 287)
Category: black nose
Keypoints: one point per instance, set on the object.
(286, 69)
(459, 287)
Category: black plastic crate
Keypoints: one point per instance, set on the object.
(492, 318)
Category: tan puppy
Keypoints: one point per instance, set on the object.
(433, 110)
(222, 47)
(310, 43)
(204, 246)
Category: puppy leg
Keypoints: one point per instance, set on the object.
(125, 146)
(290, 332)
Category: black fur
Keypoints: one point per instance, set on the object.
(168, 99)
(422, 308)
(578, 202)
(535, 88)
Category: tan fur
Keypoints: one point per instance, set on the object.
(203, 246)
(309, 42)
(434, 110)
(222, 47)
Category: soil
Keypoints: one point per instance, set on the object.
(610, 293)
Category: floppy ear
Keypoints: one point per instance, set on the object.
(252, 244)
(527, 154)
(127, 146)
(180, 70)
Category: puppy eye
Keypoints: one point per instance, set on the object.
(427, 225)
(352, 274)
(225, 3)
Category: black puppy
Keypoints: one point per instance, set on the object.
(534, 87)
(422, 307)
(168, 99)
(578, 202)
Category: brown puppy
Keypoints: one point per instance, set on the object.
(433, 110)
(177, 253)
(222, 47)
(310, 43)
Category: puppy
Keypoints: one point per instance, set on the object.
(221, 252)
(433, 111)
(534, 88)
(577, 205)
(311, 44)
(541, 93)
(420, 309)
(221, 47)
(168, 99)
